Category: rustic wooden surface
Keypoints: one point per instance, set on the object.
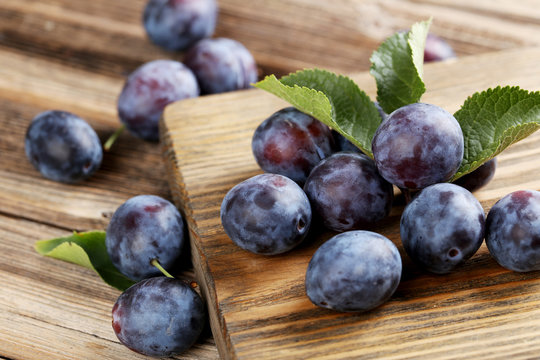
(284, 35)
(258, 306)
(74, 55)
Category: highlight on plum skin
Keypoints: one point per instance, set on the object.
(221, 65)
(513, 231)
(63, 147)
(347, 192)
(159, 317)
(418, 145)
(178, 24)
(442, 227)
(148, 90)
(267, 214)
(291, 143)
(144, 228)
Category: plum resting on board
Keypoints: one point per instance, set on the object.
(291, 143)
(479, 177)
(513, 231)
(418, 145)
(437, 49)
(347, 192)
(442, 227)
(353, 271)
(267, 214)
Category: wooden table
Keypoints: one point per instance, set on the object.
(74, 55)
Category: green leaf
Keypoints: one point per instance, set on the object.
(398, 66)
(493, 120)
(333, 99)
(86, 249)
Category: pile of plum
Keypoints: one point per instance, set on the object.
(312, 172)
(63, 147)
(159, 315)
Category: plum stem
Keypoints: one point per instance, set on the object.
(156, 263)
(112, 139)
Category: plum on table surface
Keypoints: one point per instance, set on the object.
(346, 192)
(221, 65)
(418, 145)
(354, 271)
(442, 227)
(148, 90)
(178, 24)
(291, 143)
(159, 317)
(144, 228)
(62, 146)
(513, 231)
(437, 49)
(266, 214)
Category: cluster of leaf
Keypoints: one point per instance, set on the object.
(491, 120)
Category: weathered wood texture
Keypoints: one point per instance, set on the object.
(74, 54)
(51, 309)
(258, 306)
(284, 35)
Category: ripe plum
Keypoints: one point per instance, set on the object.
(148, 90)
(479, 177)
(418, 145)
(437, 49)
(159, 317)
(221, 65)
(62, 146)
(267, 214)
(144, 228)
(347, 192)
(178, 24)
(353, 271)
(513, 231)
(442, 227)
(291, 143)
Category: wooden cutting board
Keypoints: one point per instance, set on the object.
(257, 304)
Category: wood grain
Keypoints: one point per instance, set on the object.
(48, 303)
(51, 309)
(74, 55)
(107, 36)
(257, 304)
(126, 170)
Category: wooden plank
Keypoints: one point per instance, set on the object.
(257, 304)
(102, 36)
(29, 86)
(284, 36)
